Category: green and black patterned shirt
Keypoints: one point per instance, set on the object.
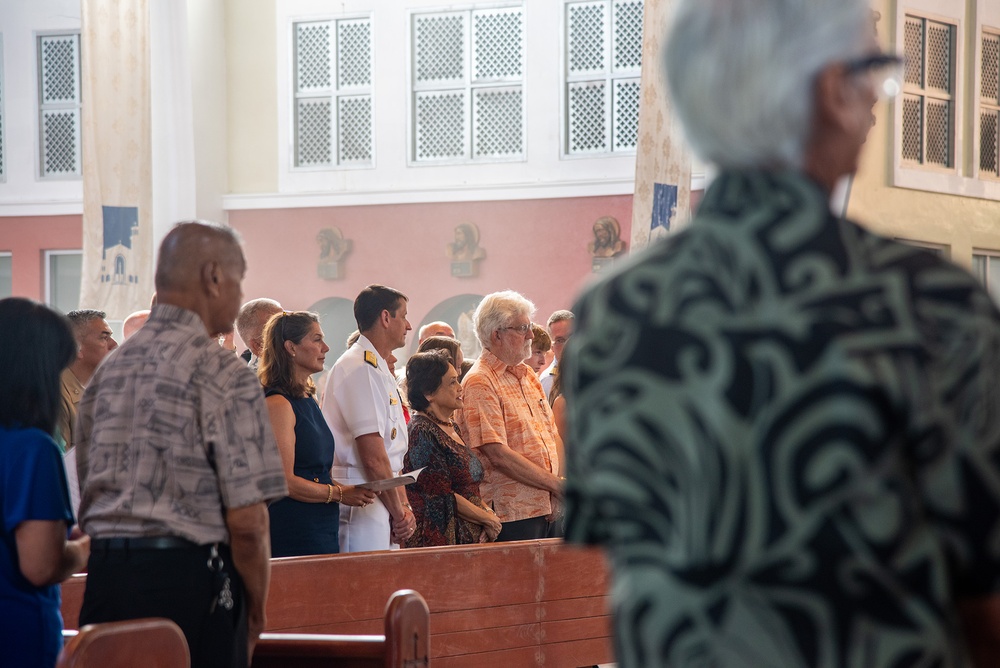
(786, 431)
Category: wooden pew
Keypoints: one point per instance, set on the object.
(406, 643)
(154, 643)
(507, 604)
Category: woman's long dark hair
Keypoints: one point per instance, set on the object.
(275, 370)
(37, 345)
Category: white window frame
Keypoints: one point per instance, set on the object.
(964, 179)
(609, 78)
(942, 250)
(49, 254)
(8, 254)
(76, 105)
(334, 94)
(468, 85)
(982, 272)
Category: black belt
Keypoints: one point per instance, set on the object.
(143, 543)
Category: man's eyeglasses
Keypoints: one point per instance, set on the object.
(520, 329)
(885, 70)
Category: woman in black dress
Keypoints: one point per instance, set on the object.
(307, 521)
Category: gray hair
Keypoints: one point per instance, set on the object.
(496, 310)
(248, 322)
(559, 316)
(741, 73)
(80, 318)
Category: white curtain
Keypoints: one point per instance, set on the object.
(117, 173)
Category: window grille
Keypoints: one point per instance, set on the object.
(468, 85)
(929, 88)
(603, 68)
(333, 93)
(989, 107)
(59, 105)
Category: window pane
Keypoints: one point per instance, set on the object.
(979, 267)
(65, 271)
(6, 276)
(993, 277)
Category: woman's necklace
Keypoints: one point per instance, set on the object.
(434, 418)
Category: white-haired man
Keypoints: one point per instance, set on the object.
(784, 426)
(250, 322)
(508, 422)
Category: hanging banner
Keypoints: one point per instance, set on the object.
(118, 265)
(662, 199)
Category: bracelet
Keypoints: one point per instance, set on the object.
(329, 496)
(340, 497)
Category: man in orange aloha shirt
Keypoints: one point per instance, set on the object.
(508, 422)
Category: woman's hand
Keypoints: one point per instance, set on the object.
(491, 524)
(357, 496)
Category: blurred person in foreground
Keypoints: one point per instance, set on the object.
(35, 555)
(784, 427)
(446, 501)
(307, 521)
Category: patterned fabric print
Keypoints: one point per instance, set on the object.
(786, 431)
(452, 469)
(505, 404)
(172, 430)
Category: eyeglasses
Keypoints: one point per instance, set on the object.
(520, 329)
(885, 70)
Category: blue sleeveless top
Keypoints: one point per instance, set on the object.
(299, 528)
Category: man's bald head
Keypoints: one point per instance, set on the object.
(201, 268)
(188, 247)
(438, 328)
(134, 322)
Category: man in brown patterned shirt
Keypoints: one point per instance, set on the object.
(177, 461)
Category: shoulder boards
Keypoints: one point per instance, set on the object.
(371, 359)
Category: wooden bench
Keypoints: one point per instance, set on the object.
(507, 604)
(154, 643)
(406, 643)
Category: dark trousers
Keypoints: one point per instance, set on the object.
(173, 583)
(532, 528)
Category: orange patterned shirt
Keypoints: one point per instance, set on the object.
(506, 404)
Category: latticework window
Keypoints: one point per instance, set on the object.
(333, 98)
(59, 105)
(989, 106)
(467, 83)
(603, 68)
(929, 89)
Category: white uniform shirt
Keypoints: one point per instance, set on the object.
(361, 398)
(548, 376)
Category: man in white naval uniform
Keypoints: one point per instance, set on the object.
(365, 414)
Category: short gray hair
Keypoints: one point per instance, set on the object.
(741, 73)
(248, 323)
(82, 317)
(559, 316)
(496, 310)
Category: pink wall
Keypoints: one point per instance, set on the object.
(26, 237)
(537, 247)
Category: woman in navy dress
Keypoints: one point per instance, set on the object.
(307, 521)
(35, 555)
